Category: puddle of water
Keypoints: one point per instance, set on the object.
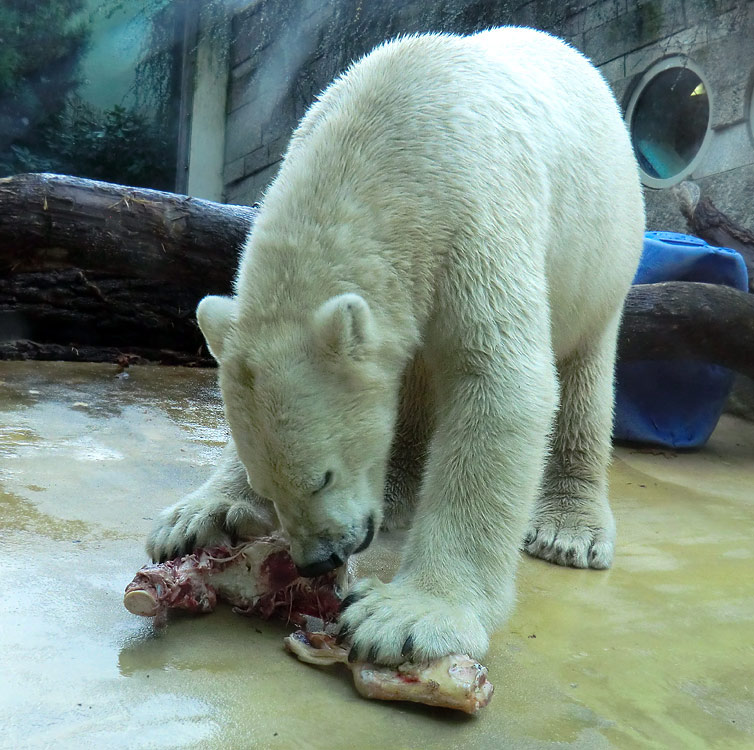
(653, 653)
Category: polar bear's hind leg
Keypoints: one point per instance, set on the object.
(572, 523)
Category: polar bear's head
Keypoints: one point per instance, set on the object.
(311, 409)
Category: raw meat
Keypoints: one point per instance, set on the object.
(455, 681)
(258, 578)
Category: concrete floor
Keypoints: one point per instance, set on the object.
(656, 653)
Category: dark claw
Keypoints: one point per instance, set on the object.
(408, 647)
(348, 601)
(343, 634)
(230, 531)
(528, 539)
(353, 655)
(372, 655)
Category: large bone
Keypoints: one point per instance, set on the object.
(456, 681)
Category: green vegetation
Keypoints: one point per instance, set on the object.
(39, 52)
(116, 145)
(45, 126)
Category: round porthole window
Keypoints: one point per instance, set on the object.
(668, 116)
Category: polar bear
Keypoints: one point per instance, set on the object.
(423, 331)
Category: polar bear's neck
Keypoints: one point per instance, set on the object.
(294, 261)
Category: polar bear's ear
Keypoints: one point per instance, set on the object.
(344, 326)
(215, 315)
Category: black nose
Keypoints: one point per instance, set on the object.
(321, 566)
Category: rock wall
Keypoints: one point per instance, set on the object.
(283, 52)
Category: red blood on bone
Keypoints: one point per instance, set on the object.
(279, 570)
(408, 677)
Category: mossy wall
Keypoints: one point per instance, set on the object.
(283, 52)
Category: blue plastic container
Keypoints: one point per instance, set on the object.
(676, 403)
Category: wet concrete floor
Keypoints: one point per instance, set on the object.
(656, 653)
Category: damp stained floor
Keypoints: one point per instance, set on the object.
(656, 653)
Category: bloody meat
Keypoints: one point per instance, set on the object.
(258, 578)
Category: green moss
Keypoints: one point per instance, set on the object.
(650, 19)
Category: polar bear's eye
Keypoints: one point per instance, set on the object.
(326, 480)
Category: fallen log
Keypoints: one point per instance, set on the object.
(50, 221)
(90, 270)
(97, 272)
(23, 349)
(689, 320)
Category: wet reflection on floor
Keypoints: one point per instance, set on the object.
(657, 652)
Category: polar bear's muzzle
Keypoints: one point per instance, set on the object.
(311, 570)
(336, 558)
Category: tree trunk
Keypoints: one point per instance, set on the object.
(99, 272)
(705, 220)
(689, 320)
(91, 270)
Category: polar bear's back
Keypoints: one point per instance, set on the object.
(508, 134)
(596, 206)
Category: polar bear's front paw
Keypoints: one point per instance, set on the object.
(389, 623)
(194, 522)
(581, 536)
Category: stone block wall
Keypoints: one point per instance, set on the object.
(718, 37)
(284, 52)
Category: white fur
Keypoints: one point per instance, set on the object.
(450, 237)
(215, 315)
